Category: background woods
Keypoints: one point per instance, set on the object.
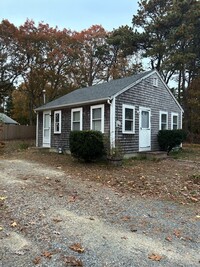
(37, 58)
(164, 35)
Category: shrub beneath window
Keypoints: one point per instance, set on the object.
(86, 145)
(168, 139)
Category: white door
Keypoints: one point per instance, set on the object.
(46, 128)
(145, 129)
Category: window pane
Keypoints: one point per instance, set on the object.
(76, 116)
(128, 125)
(175, 122)
(175, 119)
(163, 121)
(96, 125)
(57, 127)
(129, 113)
(57, 117)
(46, 121)
(46, 133)
(96, 113)
(145, 119)
(164, 118)
(76, 126)
(163, 126)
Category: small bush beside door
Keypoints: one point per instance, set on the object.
(168, 139)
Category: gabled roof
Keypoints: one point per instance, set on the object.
(98, 92)
(7, 120)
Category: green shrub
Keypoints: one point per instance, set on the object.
(23, 146)
(168, 139)
(86, 145)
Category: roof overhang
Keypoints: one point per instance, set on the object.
(83, 103)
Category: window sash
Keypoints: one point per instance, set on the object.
(97, 118)
(76, 119)
(128, 119)
(163, 125)
(57, 121)
(145, 119)
(174, 121)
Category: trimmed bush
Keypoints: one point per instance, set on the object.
(86, 145)
(168, 139)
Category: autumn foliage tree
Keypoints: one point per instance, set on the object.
(41, 58)
(194, 109)
(9, 60)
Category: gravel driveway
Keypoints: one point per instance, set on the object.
(50, 219)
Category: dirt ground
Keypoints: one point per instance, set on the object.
(56, 211)
(176, 178)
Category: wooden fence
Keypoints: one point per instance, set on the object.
(13, 132)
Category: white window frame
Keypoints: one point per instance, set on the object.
(160, 119)
(124, 131)
(155, 81)
(102, 116)
(81, 118)
(59, 130)
(172, 116)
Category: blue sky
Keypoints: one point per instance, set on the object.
(71, 14)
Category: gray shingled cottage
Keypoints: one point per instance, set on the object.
(129, 110)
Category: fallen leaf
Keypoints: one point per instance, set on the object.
(47, 254)
(155, 257)
(19, 253)
(72, 199)
(2, 198)
(133, 230)
(57, 219)
(77, 247)
(56, 233)
(125, 218)
(124, 237)
(14, 224)
(198, 216)
(194, 199)
(73, 261)
(168, 238)
(37, 260)
(177, 233)
(1, 228)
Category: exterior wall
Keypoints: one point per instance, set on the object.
(40, 129)
(62, 140)
(146, 95)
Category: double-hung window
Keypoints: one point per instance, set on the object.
(128, 119)
(57, 122)
(163, 122)
(174, 121)
(76, 119)
(97, 118)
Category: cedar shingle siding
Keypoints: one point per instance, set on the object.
(137, 90)
(62, 140)
(146, 95)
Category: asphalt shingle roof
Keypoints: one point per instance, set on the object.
(94, 93)
(7, 120)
